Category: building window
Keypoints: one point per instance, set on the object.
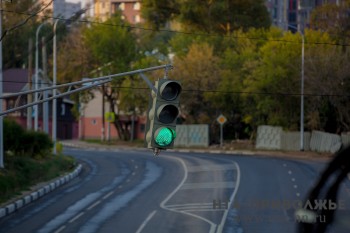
(122, 6)
(137, 19)
(137, 6)
(93, 121)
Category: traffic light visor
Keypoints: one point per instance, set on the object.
(170, 90)
(164, 136)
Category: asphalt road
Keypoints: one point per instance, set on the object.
(134, 191)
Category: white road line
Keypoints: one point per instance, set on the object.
(149, 217)
(93, 205)
(295, 186)
(293, 179)
(298, 194)
(284, 165)
(128, 180)
(232, 198)
(60, 229)
(107, 195)
(290, 172)
(76, 217)
(162, 204)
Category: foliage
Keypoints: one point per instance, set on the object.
(23, 172)
(334, 19)
(25, 143)
(199, 72)
(219, 16)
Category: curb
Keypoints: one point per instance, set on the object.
(18, 204)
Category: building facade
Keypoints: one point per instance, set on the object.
(15, 81)
(130, 9)
(294, 15)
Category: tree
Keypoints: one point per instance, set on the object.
(221, 16)
(15, 35)
(334, 19)
(327, 80)
(112, 50)
(198, 71)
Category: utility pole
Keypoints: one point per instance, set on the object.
(45, 95)
(30, 72)
(1, 118)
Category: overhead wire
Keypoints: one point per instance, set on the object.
(131, 27)
(24, 21)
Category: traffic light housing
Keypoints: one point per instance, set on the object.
(162, 115)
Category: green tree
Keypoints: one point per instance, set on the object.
(219, 16)
(112, 50)
(16, 31)
(198, 71)
(334, 19)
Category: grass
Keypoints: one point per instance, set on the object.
(22, 172)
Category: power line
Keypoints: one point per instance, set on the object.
(24, 21)
(222, 92)
(176, 31)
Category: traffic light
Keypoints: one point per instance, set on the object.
(162, 115)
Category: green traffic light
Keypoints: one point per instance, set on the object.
(164, 136)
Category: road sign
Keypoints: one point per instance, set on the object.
(109, 116)
(221, 119)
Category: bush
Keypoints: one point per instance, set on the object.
(21, 142)
(12, 135)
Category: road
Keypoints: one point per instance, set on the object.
(134, 191)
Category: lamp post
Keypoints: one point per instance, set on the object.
(54, 103)
(1, 101)
(36, 117)
(302, 88)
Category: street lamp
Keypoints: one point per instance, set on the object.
(1, 118)
(302, 89)
(36, 117)
(54, 103)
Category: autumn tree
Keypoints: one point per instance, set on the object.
(17, 27)
(219, 16)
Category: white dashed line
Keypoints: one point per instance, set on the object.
(295, 186)
(293, 179)
(108, 194)
(290, 172)
(60, 229)
(76, 217)
(298, 194)
(93, 205)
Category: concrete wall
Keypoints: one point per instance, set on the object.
(273, 137)
(192, 135)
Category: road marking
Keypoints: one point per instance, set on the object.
(133, 173)
(128, 180)
(149, 217)
(293, 179)
(76, 217)
(290, 172)
(284, 165)
(295, 186)
(93, 205)
(108, 194)
(120, 186)
(136, 167)
(232, 198)
(298, 194)
(209, 185)
(60, 229)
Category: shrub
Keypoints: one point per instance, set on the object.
(12, 135)
(21, 142)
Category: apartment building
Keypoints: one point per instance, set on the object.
(130, 9)
(294, 15)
